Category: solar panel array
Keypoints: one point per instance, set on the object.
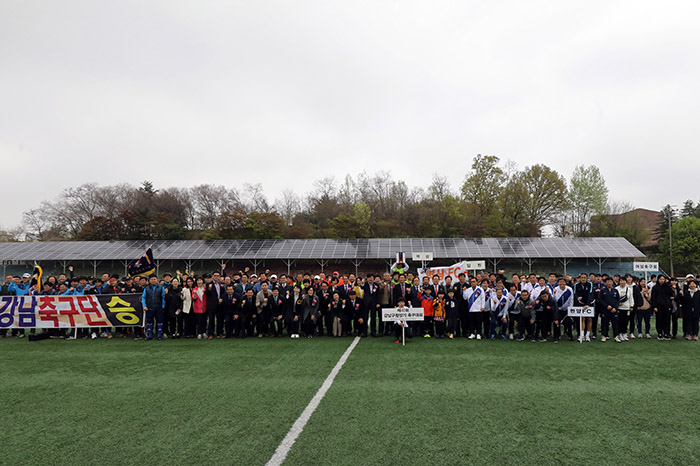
(373, 248)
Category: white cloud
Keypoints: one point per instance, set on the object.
(282, 93)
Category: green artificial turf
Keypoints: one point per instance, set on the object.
(432, 402)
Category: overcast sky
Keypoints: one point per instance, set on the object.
(227, 92)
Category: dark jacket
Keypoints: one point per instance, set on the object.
(351, 311)
(691, 304)
(153, 297)
(399, 293)
(610, 298)
(661, 296)
(173, 300)
(230, 303)
(212, 295)
(584, 294)
(549, 305)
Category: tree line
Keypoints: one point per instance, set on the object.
(495, 199)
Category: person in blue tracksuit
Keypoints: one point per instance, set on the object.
(153, 302)
(610, 304)
(21, 288)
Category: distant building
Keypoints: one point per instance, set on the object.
(645, 220)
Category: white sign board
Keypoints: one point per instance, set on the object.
(646, 266)
(476, 265)
(581, 312)
(451, 270)
(392, 314)
(422, 256)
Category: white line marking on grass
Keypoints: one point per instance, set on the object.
(283, 449)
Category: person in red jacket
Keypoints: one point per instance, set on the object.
(199, 308)
(426, 303)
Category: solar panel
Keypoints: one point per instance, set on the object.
(370, 248)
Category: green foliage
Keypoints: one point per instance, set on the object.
(588, 196)
(483, 185)
(686, 246)
(492, 201)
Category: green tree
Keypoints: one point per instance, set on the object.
(483, 185)
(540, 194)
(686, 246)
(588, 195)
(668, 212)
(689, 209)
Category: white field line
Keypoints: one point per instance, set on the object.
(283, 449)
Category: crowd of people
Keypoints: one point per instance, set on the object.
(243, 304)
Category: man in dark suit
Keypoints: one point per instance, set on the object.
(214, 292)
(436, 287)
(459, 288)
(355, 309)
(401, 290)
(230, 308)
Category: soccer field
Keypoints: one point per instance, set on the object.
(432, 402)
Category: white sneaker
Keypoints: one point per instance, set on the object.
(631, 336)
(603, 339)
(581, 339)
(471, 337)
(588, 338)
(510, 337)
(625, 337)
(199, 337)
(617, 339)
(103, 335)
(478, 337)
(639, 335)
(648, 336)
(93, 336)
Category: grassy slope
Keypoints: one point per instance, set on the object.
(449, 402)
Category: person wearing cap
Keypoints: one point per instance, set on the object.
(153, 302)
(21, 288)
(127, 286)
(111, 286)
(273, 282)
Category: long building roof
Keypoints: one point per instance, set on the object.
(348, 249)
